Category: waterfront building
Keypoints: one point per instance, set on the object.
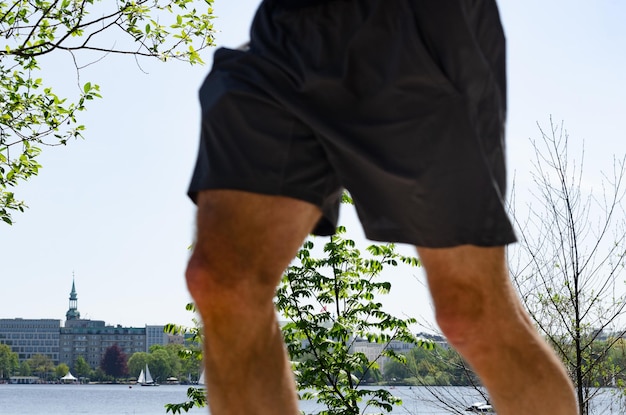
(77, 337)
(24, 380)
(91, 338)
(373, 352)
(155, 335)
(28, 337)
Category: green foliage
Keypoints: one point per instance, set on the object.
(9, 362)
(61, 370)
(100, 375)
(343, 286)
(82, 368)
(41, 365)
(183, 360)
(192, 354)
(137, 362)
(197, 398)
(160, 365)
(32, 115)
(165, 361)
(437, 367)
(25, 369)
(330, 303)
(192, 358)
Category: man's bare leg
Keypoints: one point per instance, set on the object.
(244, 243)
(479, 312)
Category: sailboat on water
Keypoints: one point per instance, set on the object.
(145, 378)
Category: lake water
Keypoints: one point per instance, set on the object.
(122, 400)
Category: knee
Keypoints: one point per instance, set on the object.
(208, 280)
(462, 314)
(199, 276)
(461, 331)
(222, 285)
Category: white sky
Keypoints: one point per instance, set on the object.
(112, 208)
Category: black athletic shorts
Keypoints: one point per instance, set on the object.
(401, 102)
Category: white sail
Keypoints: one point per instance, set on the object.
(148, 376)
(141, 378)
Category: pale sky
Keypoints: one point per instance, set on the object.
(112, 209)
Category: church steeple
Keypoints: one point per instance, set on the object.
(72, 313)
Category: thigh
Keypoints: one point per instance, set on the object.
(241, 233)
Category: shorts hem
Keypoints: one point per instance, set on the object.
(267, 189)
(428, 243)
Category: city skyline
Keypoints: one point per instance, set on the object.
(63, 341)
(112, 208)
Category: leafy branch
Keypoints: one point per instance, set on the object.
(32, 114)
